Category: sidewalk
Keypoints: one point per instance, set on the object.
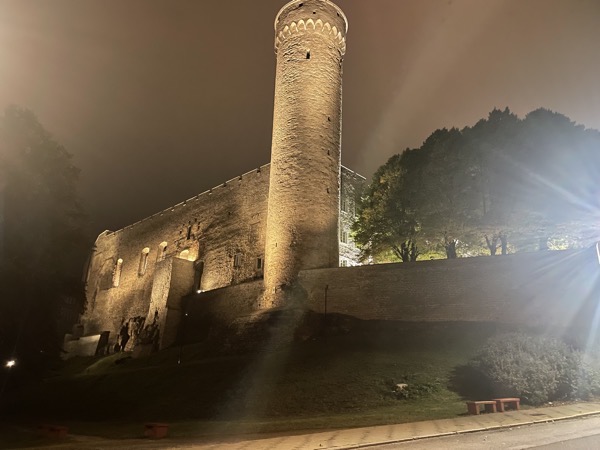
(364, 437)
(356, 437)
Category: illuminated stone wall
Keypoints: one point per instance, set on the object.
(277, 220)
(304, 197)
(220, 232)
(547, 289)
(223, 229)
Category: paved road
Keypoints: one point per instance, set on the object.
(512, 432)
(576, 434)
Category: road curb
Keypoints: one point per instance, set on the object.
(475, 430)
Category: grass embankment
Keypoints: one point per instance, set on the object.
(332, 381)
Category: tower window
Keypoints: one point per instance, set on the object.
(259, 263)
(344, 205)
(189, 232)
(308, 54)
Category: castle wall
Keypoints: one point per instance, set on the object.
(173, 279)
(226, 304)
(221, 230)
(541, 289)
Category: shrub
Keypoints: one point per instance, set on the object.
(536, 368)
(588, 382)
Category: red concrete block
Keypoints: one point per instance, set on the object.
(53, 431)
(156, 430)
(489, 406)
(511, 401)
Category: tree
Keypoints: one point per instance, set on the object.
(447, 206)
(43, 236)
(466, 192)
(491, 144)
(386, 222)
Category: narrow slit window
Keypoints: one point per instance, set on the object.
(308, 54)
(117, 273)
(162, 251)
(143, 261)
(237, 260)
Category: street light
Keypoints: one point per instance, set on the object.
(11, 363)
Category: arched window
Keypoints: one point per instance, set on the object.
(162, 251)
(143, 261)
(117, 272)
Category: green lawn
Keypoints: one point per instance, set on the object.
(344, 378)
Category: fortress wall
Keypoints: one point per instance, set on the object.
(228, 303)
(228, 220)
(219, 307)
(541, 289)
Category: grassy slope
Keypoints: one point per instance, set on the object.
(335, 381)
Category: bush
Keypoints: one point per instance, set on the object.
(536, 368)
(588, 382)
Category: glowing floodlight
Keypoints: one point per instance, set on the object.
(11, 363)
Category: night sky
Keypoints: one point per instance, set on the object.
(159, 100)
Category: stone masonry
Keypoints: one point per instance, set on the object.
(304, 195)
(219, 234)
(273, 221)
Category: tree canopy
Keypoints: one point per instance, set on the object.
(42, 236)
(504, 184)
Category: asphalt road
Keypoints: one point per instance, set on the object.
(573, 434)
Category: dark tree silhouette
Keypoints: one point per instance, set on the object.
(43, 243)
(505, 183)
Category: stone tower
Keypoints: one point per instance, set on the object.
(304, 189)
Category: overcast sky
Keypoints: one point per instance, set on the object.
(159, 100)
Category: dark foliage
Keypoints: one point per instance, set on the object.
(42, 240)
(504, 184)
(537, 369)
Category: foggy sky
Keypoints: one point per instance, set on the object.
(159, 100)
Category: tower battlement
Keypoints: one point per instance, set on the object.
(305, 16)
